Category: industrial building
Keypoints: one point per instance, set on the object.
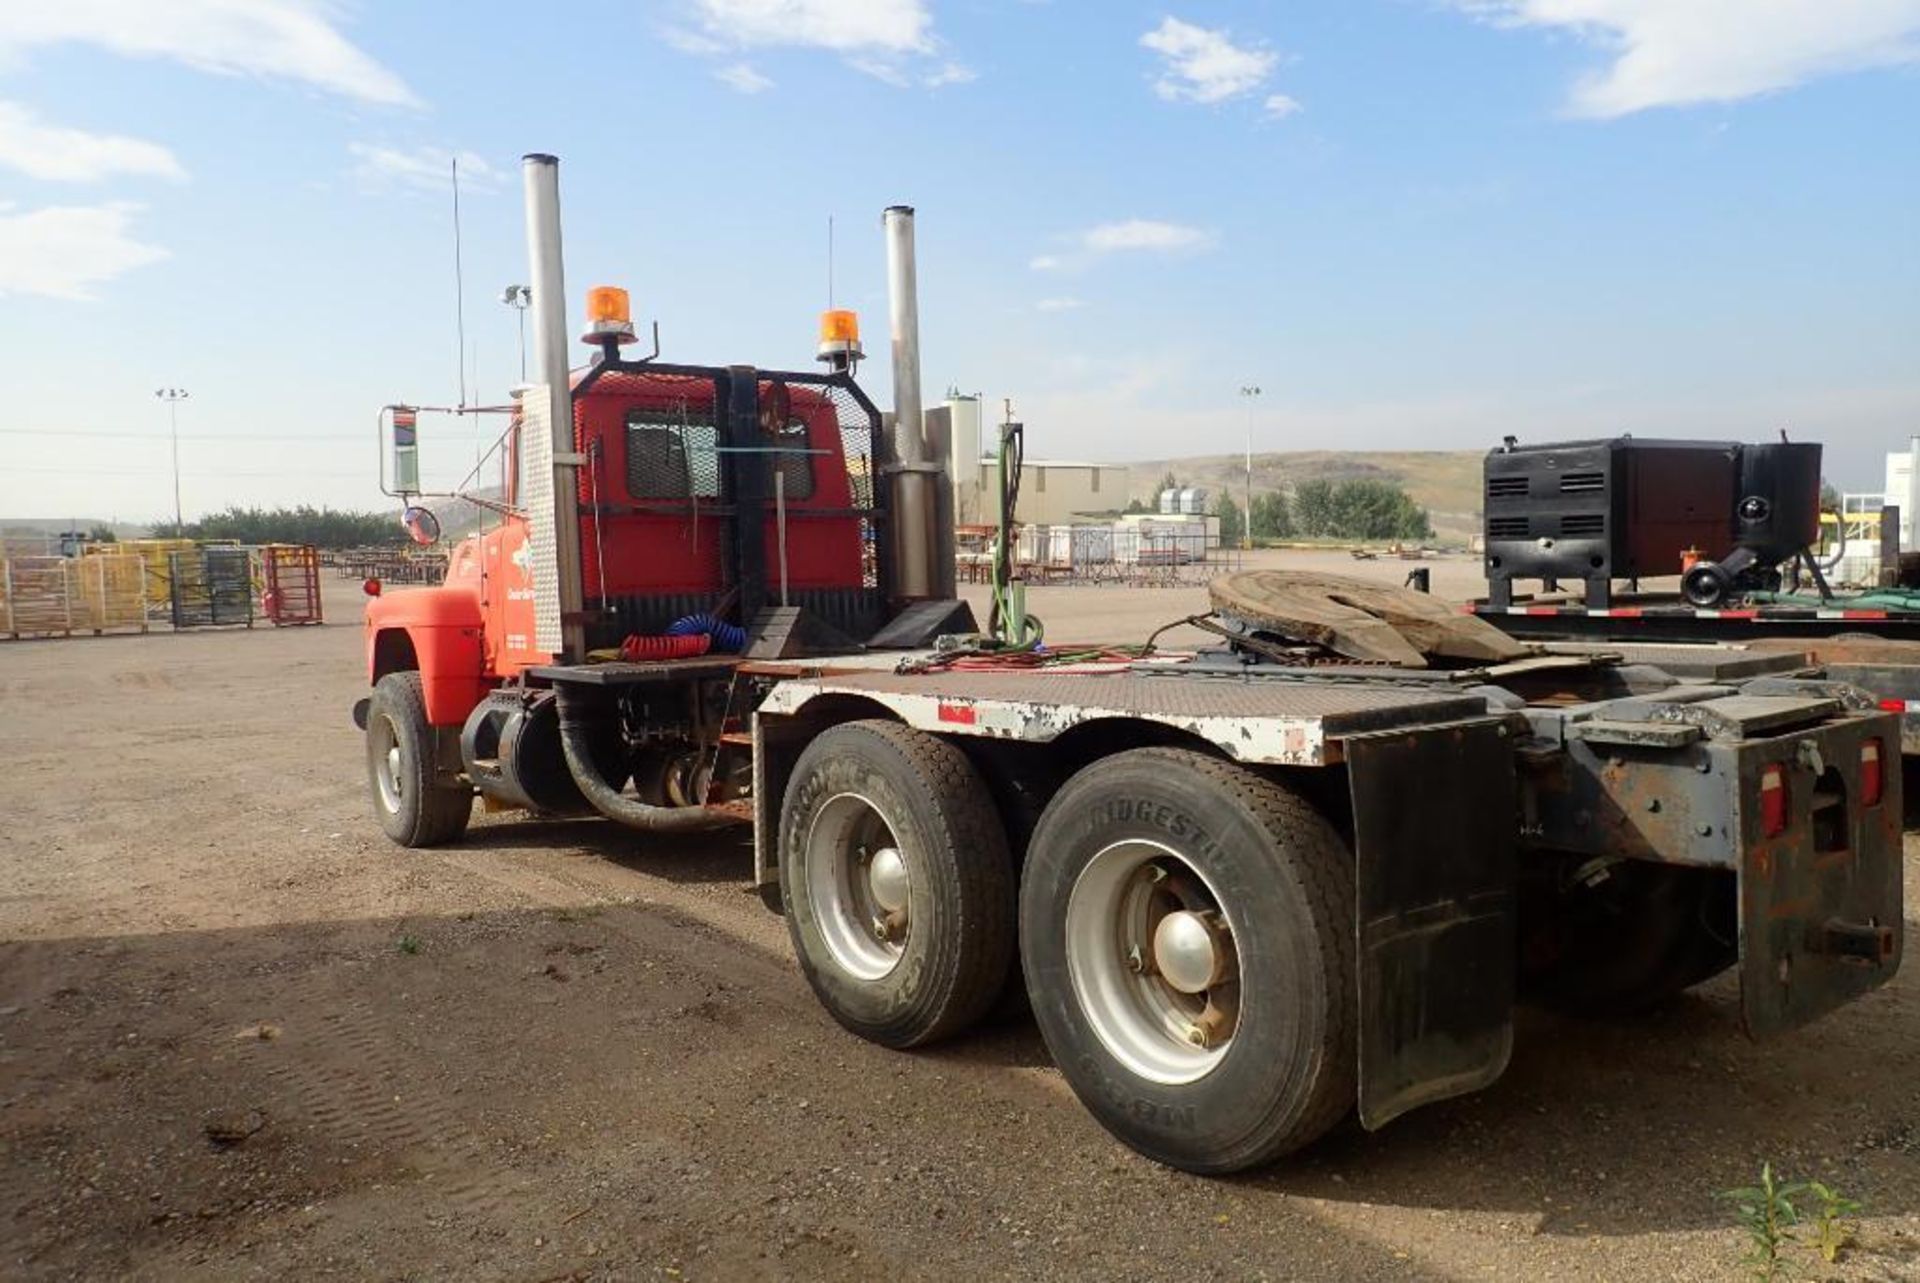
(1052, 491)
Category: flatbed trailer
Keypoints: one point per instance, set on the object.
(1246, 891)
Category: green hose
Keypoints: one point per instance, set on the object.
(1010, 624)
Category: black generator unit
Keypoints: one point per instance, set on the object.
(1627, 508)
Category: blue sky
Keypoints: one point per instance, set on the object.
(1413, 223)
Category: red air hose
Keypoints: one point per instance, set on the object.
(637, 648)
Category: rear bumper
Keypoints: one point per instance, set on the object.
(1821, 910)
(1821, 904)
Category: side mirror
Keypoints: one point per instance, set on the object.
(406, 449)
(421, 525)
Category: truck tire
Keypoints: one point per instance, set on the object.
(1187, 929)
(898, 890)
(414, 806)
(1643, 936)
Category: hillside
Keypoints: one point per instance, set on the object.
(1444, 482)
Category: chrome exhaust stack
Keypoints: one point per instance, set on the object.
(541, 179)
(923, 549)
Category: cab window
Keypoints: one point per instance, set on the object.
(794, 463)
(671, 457)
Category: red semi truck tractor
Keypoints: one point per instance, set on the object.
(1247, 890)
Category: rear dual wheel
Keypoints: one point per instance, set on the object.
(1187, 933)
(897, 885)
(1186, 929)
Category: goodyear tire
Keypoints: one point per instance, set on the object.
(1188, 936)
(895, 879)
(413, 804)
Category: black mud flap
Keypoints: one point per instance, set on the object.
(1434, 832)
(360, 707)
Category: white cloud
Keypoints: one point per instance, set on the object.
(951, 73)
(883, 70)
(54, 153)
(423, 168)
(281, 39)
(1142, 234)
(1669, 54)
(890, 40)
(63, 251)
(1132, 235)
(1280, 106)
(1063, 304)
(742, 78)
(845, 26)
(1203, 65)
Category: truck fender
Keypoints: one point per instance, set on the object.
(439, 633)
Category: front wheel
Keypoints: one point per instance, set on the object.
(1188, 936)
(414, 805)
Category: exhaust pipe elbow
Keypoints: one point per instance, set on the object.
(579, 718)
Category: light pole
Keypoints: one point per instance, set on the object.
(1248, 392)
(519, 298)
(173, 397)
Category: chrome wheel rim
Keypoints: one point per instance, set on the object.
(1151, 959)
(387, 775)
(858, 885)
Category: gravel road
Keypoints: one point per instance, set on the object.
(243, 1036)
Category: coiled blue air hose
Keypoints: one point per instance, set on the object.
(727, 638)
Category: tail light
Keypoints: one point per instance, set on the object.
(1893, 705)
(371, 587)
(1872, 774)
(1773, 801)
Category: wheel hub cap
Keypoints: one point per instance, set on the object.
(1186, 951)
(887, 879)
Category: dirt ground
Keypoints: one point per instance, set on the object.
(242, 1036)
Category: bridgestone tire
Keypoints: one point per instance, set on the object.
(422, 810)
(959, 942)
(1283, 879)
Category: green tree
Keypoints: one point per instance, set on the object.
(1313, 513)
(325, 527)
(102, 533)
(1134, 505)
(1231, 527)
(1372, 509)
(1270, 516)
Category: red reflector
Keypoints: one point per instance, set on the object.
(1872, 777)
(371, 587)
(1893, 705)
(961, 713)
(1773, 801)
